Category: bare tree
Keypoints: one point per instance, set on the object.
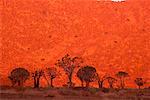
(19, 76)
(36, 77)
(69, 64)
(101, 80)
(122, 75)
(87, 74)
(111, 81)
(52, 74)
(139, 82)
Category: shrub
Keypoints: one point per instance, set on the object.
(105, 90)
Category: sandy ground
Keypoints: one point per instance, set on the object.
(73, 94)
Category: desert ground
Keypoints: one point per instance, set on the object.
(78, 93)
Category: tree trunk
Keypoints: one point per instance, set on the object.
(35, 82)
(19, 84)
(13, 83)
(82, 84)
(52, 82)
(122, 84)
(111, 85)
(46, 80)
(139, 87)
(100, 83)
(87, 84)
(70, 80)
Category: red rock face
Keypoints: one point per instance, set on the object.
(110, 36)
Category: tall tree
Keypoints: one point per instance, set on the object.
(122, 75)
(52, 73)
(69, 64)
(87, 74)
(111, 81)
(139, 82)
(36, 77)
(19, 76)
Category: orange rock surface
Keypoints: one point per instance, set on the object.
(108, 35)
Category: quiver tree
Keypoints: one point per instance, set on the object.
(19, 76)
(87, 74)
(122, 75)
(52, 73)
(69, 64)
(36, 77)
(139, 82)
(111, 81)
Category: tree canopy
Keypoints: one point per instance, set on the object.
(87, 74)
(19, 75)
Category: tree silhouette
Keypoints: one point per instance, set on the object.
(19, 76)
(52, 74)
(87, 74)
(36, 77)
(79, 75)
(111, 81)
(101, 80)
(69, 64)
(139, 82)
(122, 75)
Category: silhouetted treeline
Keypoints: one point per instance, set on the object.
(86, 74)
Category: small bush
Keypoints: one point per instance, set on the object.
(68, 92)
(50, 95)
(85, 93)
(5, 87)
(105, 90)
(20, 89)
(79, 88)
(93, 91)
(63, 92)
